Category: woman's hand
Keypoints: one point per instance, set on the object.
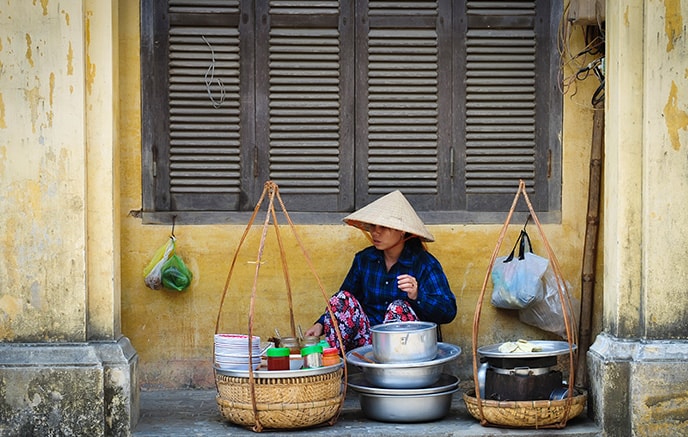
(408, 285)
(314, 331)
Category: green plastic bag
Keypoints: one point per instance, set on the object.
(175, 274)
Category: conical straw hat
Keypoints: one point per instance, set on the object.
(393, 211)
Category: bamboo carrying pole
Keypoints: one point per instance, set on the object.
(590, 250)
(564, 299)
(271, 190)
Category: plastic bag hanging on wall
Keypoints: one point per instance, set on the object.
(152, 273)
(167, 269)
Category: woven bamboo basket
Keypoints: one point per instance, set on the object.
(525, 414)
(281, 403)
(535, 413)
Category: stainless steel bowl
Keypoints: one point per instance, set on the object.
(402, 375)
(446, 382)
(406, 408)
(403, 342)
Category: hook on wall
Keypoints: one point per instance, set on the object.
(174, 219)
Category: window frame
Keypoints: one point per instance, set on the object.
(153, 52)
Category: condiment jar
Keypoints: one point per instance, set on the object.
(278, 358)
(310, 340)
(312, 356)
(330, 356)
(292, 343)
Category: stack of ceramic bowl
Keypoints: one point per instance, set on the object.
(232, 352)
(402, 377)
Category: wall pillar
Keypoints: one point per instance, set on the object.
(65, 368)
(639, 364)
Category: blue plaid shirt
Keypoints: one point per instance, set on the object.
(375, 288)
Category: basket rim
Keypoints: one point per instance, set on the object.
(295, 380)
(538, 403)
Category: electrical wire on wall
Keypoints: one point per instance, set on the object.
(578, 64)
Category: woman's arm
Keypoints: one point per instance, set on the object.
(435, 301)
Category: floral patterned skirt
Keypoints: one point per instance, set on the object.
(353, 322)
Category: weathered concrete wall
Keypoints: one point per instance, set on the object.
(42, 208)
(639, 366)
(172, 332)
(65, 368)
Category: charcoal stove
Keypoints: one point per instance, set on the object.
(523, 376)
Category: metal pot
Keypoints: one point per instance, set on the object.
(407, 408)
(404, 342)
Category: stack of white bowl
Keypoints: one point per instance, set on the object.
(232, 352)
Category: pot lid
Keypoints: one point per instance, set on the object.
(547, 349)
(403, 326)
(363, 357)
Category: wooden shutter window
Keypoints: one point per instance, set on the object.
(304, 110)
(500, 96)
(304, 83)
(204, 104)
(402, 102)
(402, 111)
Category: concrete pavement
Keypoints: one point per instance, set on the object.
(194, 413)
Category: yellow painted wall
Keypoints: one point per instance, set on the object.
(173, 332)
(42, 201)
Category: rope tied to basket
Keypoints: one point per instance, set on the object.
(271, 190)
(564, 297)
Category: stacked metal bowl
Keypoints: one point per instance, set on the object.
(402, 377)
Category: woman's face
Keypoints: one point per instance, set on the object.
(385, 238)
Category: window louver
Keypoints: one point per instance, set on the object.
(402, 101)
(204, 111)
(304, 110)
(203, 102)
(402, 111)
(500, 96)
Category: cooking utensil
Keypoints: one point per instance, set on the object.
(404, 342)
(406, 408)
(547, 349)
(446, 382)
(362, 357)
(403, 375)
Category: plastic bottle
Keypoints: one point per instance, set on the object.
(278, 358)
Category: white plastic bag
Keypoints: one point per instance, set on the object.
(547, 313)
(517, 281)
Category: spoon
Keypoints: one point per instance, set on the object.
(363, 357)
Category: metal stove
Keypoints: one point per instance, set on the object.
(523, 376)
